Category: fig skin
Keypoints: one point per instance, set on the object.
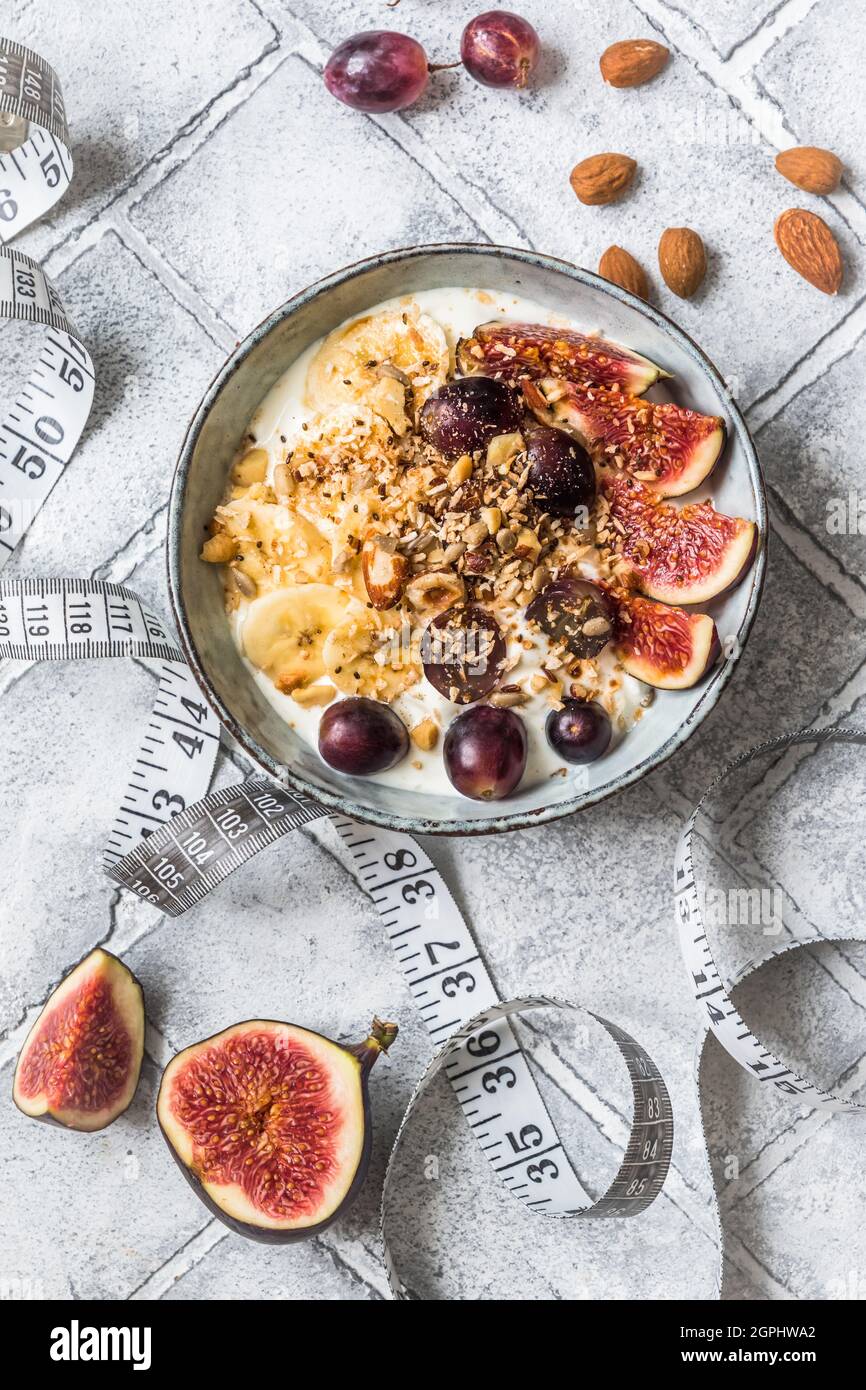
(379, 1040)
(132, 1014)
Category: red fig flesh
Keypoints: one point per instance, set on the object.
(684, 554)
(269, 1123)
(663, 646)
(80, 1064)
(512, 351)
(667, 447)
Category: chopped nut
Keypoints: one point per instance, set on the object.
(219, 549)
(503, 448)
(505, 699)
(528, 543)
(460, 471)
(251, 468)
(596, 627)
(540, 577)
(492, 518)
(506, 540)
(453, 552)
(425, 735)
(538, 682)
(308, 695)
(475, 535)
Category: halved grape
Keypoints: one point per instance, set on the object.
(575, 612)
(579, 732)
(463, 651)
(360, 736)
(466, 414)
(499, 49)
(485, 752)
(377, 71)
(561, 474)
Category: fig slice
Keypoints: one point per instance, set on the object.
(668, 447)
(664, 646)
(270, 1124)
(80, 1064)
(686, 554)
(512, 351)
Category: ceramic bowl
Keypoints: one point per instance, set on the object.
(222, 418)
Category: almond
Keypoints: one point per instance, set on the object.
(384, 570)
(622, 268)
(812, 169)
(808, 245)
(682, 260)
(632, 62)
(602, 178)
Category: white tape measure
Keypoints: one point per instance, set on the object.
(179, 845)
(40, 429)
(710, 992)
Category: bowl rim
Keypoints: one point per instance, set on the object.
(517, 820)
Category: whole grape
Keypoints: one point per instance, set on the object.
(499, 49)
(360, 736)
(466, 414)
(377, 71)
(561, 472)
(579, 732)
(485, 752)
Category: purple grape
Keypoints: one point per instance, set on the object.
(499, 49)
(579, 732)
(464, 653)
(467, 414)
(360, 736)
(377, 71)
(485, 752)
(564, 610)
(561, 474)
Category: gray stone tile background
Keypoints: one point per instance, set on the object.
(214, 178)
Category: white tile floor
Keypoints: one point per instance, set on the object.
(214, 178)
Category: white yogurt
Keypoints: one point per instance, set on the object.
(277, 423)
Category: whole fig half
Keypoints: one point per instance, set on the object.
(80, 1064)
(270, 1124)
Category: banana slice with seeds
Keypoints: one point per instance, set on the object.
(386, 361)
(363, 658)
(273, 543)
(285, 632)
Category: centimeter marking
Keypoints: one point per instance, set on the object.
(711, 994)
(73, 619)
(182, 861)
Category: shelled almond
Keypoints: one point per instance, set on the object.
(809, 246)
(810, 168)
(631, 62)
(619, 266)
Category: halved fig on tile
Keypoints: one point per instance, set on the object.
(80, 1064)
(686, 554)
(270, 1125)
(665, 646)
(668, 447)
(511, 351)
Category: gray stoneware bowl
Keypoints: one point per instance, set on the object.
(222, 418)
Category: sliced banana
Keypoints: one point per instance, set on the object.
(363, 657)
(384, 361)
(285, 632)
(273, 543)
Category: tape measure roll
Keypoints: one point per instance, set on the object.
(180, 844)
(711, 993)
(42, 426)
